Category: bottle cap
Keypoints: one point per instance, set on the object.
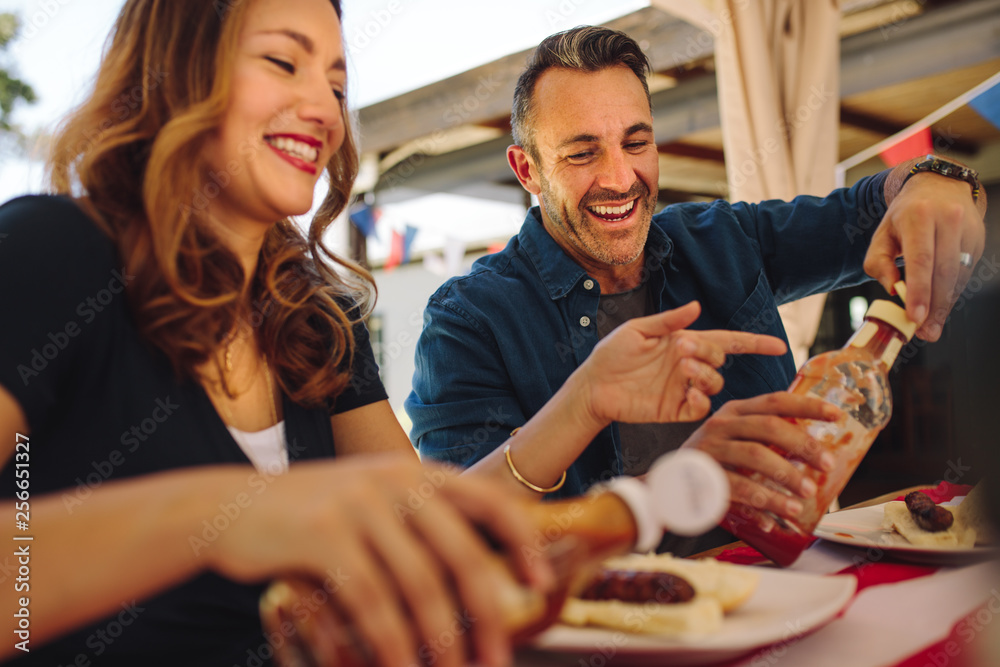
(686, 492)
(892, 315)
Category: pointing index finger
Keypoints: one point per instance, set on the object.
(743, 342)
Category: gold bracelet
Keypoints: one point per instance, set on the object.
(519, 477)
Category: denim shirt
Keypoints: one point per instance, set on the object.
(499, 342)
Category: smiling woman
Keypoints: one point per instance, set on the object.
(209, 135)
(174, 423)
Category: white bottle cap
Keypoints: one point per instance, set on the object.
(686, 492)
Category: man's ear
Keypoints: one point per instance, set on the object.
(524, 168)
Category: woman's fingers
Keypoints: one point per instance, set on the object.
(475, 574)
(506, 524)
(743, 342)
(757, 436)
(783, 433)
(696, 406)
(409, 574)
(712, 347)
(421, 579)
(371, 603)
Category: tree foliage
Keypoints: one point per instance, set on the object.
(12, 89)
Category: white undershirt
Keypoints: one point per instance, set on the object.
(265, 449)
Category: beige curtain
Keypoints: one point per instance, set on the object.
(777, 64)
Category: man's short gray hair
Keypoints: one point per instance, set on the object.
(585, 48)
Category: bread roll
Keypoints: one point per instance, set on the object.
(897, 517)
(719, 588)
(700, 616)
(731, 585)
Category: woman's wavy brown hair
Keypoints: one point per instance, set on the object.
(132, 153)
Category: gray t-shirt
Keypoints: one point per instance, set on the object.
(642, 444)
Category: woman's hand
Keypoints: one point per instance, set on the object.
(652, 369)
(396, 546)
(741, 434)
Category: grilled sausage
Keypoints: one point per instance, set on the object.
(638, 586)
(927, 515)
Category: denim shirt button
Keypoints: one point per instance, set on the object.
(588, 284)
(584, 321)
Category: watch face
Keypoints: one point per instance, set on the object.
(950, 170)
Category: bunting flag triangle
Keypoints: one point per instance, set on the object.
(364, 218)
(434, 263)
(917, 144)
(454, 256)
(399, 247)
(408, 236)
(987, 105)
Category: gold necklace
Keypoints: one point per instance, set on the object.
(270, 391)
(227, 368)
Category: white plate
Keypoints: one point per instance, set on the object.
(862, 528)
(785, 605)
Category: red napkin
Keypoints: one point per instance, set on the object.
(951, 651)
(939, 494)
(876, 573)
(955, 650)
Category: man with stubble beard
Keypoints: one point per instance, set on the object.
(499, 343)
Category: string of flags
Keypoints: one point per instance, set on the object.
(449, 262)
(920, 141)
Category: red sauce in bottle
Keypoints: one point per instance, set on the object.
(855, 379)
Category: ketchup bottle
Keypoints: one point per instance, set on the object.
(685, 492)
(855, 378)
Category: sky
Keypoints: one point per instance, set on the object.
(392, 46)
